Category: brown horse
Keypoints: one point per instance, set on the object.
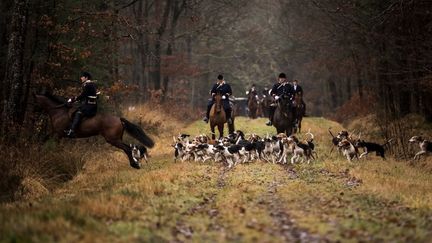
(108, 126)
(266, 100)
(300, 111)
(253, 103)
(218, 117)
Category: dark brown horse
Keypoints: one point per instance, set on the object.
(253, 103)
(266, 100)
(283, 117)
(218, 117)
(108, 126)
(300, 111)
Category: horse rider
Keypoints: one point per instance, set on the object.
(88, 99)
(299, 90)
(282, 87)
(252, 91)
(220, 87)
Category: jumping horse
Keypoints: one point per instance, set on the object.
(300, 111)
(218, 118)
(283, 117)
(108, 126)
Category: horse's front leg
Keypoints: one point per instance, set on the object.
(220, 128)
(212, 128)
(132, 161)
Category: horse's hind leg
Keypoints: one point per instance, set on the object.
(119, 144)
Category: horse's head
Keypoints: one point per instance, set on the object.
(48, 101)
(284, 101)
(218, 96)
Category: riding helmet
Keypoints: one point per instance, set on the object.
(86, 74)
(220, 77)
(282, 75)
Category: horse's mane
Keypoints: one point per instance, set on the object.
(55, 98)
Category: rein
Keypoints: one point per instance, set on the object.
(57, 106)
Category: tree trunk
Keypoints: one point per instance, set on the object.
(158, 44)
(13, 81)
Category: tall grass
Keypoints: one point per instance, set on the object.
(30, 169)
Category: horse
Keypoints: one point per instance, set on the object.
(218, 117)
(265, 104)
(253, 104)
(300, 111)
(283, 117)
(108, 126)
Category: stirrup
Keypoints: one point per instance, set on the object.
(205, 119)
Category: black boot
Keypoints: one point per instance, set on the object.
(294, 112)
(206, 118)
(271, 114)
(228, 116)
(75, 122)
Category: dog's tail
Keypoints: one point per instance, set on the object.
(388, 141)
(330, 132)
(137, 133)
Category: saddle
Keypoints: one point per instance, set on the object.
(72, 111)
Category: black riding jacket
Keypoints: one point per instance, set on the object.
(298, 89)
(280, 89)
(89, 98)
(223, 89)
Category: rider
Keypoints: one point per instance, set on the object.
(298, 90)
(224, 89)
(88, 97)
(282, 87)
(252, 91)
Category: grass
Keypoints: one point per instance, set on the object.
(370, 200)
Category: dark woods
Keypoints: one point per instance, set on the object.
(353, 57)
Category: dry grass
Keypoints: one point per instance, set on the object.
(166, 201)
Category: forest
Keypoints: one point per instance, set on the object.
(343, 52)
(364, 65)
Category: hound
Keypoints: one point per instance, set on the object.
(299, 149)
(348, 149)
(231, 153)
(139, 152)
(335, 141)
(425, 146)
(272, 148)
(372, 147)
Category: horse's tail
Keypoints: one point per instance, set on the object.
(137, 133)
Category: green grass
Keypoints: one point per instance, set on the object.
(166, 201)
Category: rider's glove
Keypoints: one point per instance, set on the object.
(277, 97)
(223, 97)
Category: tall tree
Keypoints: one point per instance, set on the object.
(13, 82)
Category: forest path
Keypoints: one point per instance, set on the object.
(328, 200)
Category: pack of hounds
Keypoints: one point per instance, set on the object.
(349, 146)
(237, 148)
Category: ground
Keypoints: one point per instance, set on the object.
(328, 200)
